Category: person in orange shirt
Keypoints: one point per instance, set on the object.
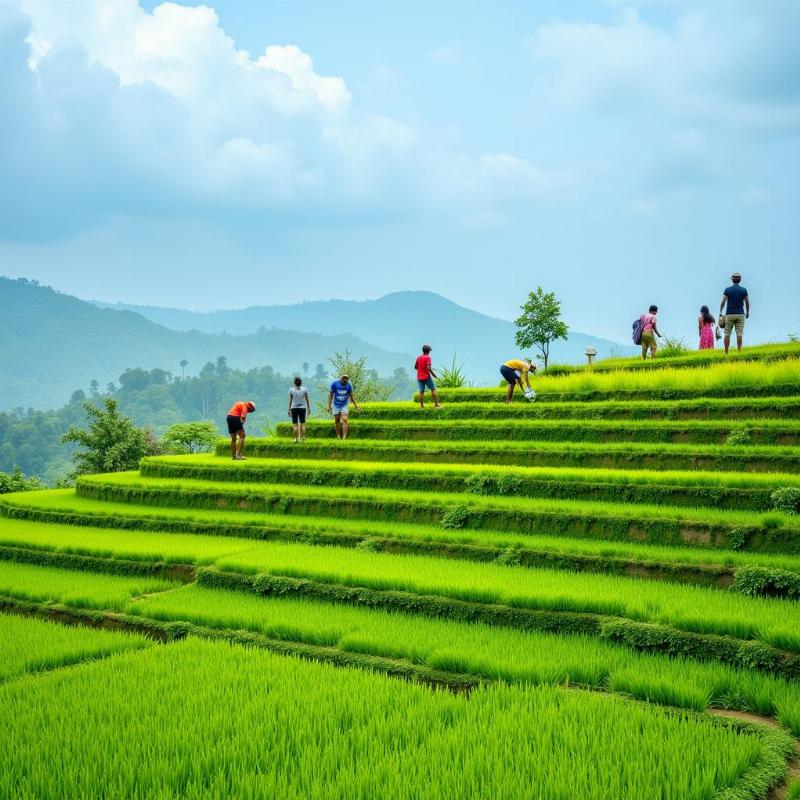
(236, 417)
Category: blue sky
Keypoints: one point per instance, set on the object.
(245, 152)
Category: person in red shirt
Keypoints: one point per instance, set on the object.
(425, 376)
(236, 417)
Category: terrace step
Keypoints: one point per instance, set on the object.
(719, 408)
(657, 524)
(530, 454)
(762, 432)
(718, 490)
(60, 522)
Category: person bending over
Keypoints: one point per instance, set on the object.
(515, 372)
(236, 418)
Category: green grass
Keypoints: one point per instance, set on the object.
(726, 379)
(203, 549)
(721, 408)
(763, 353)
(538, 454)
(709, 432)
(691, 608)
(658, 524)
(487, 651)
(264, 726)
(31, 645)
(721, 490)
(74, 588)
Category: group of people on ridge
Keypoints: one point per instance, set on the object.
(733, 311)
(516, 372)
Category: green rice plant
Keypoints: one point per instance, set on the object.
(491, 652)
(555, 454)
(793, 789)
(762, 432)
(689, 608)
(725, 379)
(699, 408)
(722, 490)
(31, 645)
(74, 588)
(142, 543)
(657, 524)
(341, 733)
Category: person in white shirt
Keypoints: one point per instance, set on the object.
(299, 405)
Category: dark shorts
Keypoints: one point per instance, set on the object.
(298, 415)
(509, 374)
(426, 383)
(235, 424)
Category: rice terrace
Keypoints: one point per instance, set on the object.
(478, 601)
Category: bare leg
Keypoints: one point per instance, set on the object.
(240, 445)
(233, 445)
(510, 393)
(727, 341)
(738, 342)
(422, 399)
(303, 431)
(296, 431)
(435, 396)
(337, 423)
(345, 427)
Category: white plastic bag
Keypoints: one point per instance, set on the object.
(530, 394)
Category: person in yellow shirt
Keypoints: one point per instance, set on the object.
(515, 372)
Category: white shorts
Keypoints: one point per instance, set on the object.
(343, 410)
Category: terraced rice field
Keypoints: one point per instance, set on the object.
(594, 595)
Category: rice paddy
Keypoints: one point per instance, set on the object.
(546, 600)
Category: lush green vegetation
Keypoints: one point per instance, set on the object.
(646, 548)
(488, 651)
(704, 408)
(401, 738)
(553, 454)
(40, 646)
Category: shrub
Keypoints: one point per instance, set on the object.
(190, 437)
(112, 443)
(739, 436)
(456, 517)
(673, 346)
(16, 481)
(451, 377)
(786, 499)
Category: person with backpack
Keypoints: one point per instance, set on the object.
(645, 331)
(738, 302)
(236, 418)
(705, 326)
(425, 376)
(339, 397)
(299, 404)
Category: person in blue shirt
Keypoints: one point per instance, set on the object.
(339, 398)
(738, 310)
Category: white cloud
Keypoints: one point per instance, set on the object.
(736, 69)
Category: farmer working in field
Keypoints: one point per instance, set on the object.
(236, 417)
(339, 398)
(515, 372)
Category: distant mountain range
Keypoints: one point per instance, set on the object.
(399, 321)
(52, 344)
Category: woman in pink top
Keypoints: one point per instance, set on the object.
(705, 327)
(649, 332)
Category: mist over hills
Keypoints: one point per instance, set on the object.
(53, 343)
(398, 321)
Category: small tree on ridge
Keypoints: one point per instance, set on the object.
(540, 323)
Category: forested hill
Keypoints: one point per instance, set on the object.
(52, 344)
(398, 321)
